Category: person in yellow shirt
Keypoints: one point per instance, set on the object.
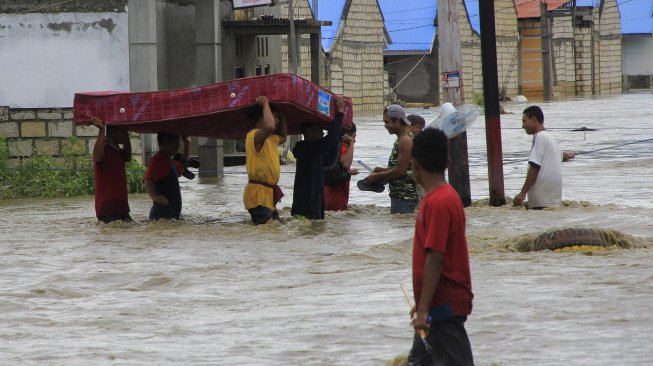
(263, 167)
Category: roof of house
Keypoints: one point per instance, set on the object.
(333, 11)
(472, 12)
(411, 24)
(636, 16)
(531, 8)
(329, 10)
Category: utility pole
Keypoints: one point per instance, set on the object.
(451, 56)
(491, 98)
(293, 66)
(546, 51)
(292, 40)
(315, 3)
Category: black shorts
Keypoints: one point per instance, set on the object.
(108, 218)
(261, 214)
(449, 345)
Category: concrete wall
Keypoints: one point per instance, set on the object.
(564, 73)
(62, 53)
(48, 131)
(610, 48)
(637, 54)
(422, 85)
(507, 33)
(637, 68)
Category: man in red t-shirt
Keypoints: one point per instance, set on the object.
(110, 180)
(441, 278)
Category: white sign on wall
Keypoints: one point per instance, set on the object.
(248, 3)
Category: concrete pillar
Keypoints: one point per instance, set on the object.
(208, 48)
(143, 65)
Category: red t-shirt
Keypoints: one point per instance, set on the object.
(440, 226)
(336, 198)
(160, 167)
(111, 183)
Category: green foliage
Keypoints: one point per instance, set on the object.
(478, 99)
(37, 176)
(4, 154)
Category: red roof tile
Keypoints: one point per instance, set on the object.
(531, 8)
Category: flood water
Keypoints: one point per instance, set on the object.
(215, 290)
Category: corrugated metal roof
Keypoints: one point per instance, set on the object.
(329, 10)
(636, 16)
(410, 24)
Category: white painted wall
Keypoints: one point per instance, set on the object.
(637, 54)
(46, 58)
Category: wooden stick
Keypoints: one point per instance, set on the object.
(422, 333)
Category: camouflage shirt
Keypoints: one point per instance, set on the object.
(404, 187)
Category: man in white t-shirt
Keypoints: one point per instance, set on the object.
(544, 178)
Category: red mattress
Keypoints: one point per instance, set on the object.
(218, 110)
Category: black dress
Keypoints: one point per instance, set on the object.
(312, 157)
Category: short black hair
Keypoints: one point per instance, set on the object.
(162, 137)
(416, 120)
(431, 150)
(535, 111)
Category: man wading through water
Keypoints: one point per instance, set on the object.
(404, 196)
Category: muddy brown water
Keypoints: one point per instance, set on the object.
(215, 290)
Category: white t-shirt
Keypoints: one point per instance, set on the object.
(547, 190)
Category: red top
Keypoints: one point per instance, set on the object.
(111, 183)
(160, 167)
(440, 226)
(336, 198)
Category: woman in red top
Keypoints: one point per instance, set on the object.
(109, 175)
(336, 198)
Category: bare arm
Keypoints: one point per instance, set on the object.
(151, 191)
(348, 158)
(98, 149)
(432, 269)
(531, 177)
(127, 148)
(268, 123)
(568, 155)
(403, 160)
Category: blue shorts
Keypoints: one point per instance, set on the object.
(400, 205)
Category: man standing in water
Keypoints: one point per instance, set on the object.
(403, 188)
(441, 277)
(544, 178)
(263, 167)
(311, 154)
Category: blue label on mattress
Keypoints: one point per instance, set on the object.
(323, 102)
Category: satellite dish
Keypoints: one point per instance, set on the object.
(456, 122)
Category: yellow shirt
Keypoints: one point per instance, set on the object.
(262, 166)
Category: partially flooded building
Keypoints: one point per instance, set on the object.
(579, 40)
(352, 46)
(637, 44)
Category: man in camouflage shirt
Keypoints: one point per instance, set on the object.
(404, 196)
